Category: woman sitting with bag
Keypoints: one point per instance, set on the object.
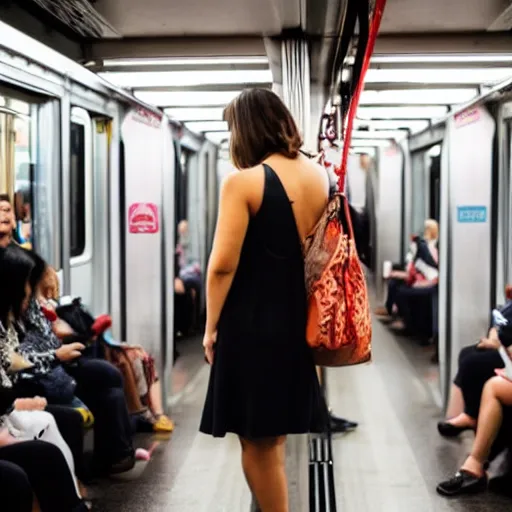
(98, 384)
(143, 390)
(22, 424)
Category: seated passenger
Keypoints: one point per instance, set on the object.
(99, 384)
(421, 271)
(22, 423)
(472, 477)
(7, 220)
(36, 471)
(48, 375)
(75, 321)
(476, 366)
(189, 272)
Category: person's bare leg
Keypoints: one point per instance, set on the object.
(497, 392)
(155, 399)
(163, 423)
(462, 420)
(263, 462)
(456, 404)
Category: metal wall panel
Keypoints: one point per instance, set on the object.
(504, 244)
(168, 224)
(389, 209)
(445, 272)
(407, 195)
(143, 137)
(418, 186)
(470, 177)
(47, 197)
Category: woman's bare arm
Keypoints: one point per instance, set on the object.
(232, 224)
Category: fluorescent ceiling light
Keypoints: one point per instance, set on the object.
(437, 76)
(401, 112)
(185, 78)
(187, 99)
(182, 61)
(208, 126)
(399, 59)
(414, 126)
(419, 96)
(195, 114)
(217, 137)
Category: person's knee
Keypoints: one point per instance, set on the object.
(499, 388)
(103, 374)
(14, 478)
(465, 353)
(15, 487)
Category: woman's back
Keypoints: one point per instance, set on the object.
(305, 183)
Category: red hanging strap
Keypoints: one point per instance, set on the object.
(374, 30)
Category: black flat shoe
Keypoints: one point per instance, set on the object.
(446, 429)
(463, 483)
(341, 425)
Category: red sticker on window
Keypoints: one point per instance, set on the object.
(143, 218)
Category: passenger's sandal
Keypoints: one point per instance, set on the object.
(163, 424)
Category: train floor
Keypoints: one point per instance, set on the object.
(391, 463)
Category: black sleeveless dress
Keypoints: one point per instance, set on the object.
(263, 381)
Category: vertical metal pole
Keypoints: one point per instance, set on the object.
(65, 113)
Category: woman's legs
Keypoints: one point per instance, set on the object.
(497, 393)
(70, 424)
(100, 386)
(163, 423)
(456, 403)
(476, 367)
(263, 462)
(48, 474)
(15, 491)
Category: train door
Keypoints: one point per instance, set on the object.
(88, 197)
(435, 186)
(502, 194)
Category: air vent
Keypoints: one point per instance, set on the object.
(79, 16)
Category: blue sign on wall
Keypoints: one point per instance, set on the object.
(471, 214)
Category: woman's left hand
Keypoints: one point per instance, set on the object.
(489, 344)
(209, 341)
(30, 404)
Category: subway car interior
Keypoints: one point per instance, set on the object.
(113, 149)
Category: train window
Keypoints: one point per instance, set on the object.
(77, 190)
(23, 181)
(16, 165)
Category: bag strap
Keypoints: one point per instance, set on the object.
(374, 29)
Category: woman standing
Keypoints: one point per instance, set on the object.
(263, 384)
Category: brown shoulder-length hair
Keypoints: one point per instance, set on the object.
(260, 125)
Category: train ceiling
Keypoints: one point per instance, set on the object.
(192, 57)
